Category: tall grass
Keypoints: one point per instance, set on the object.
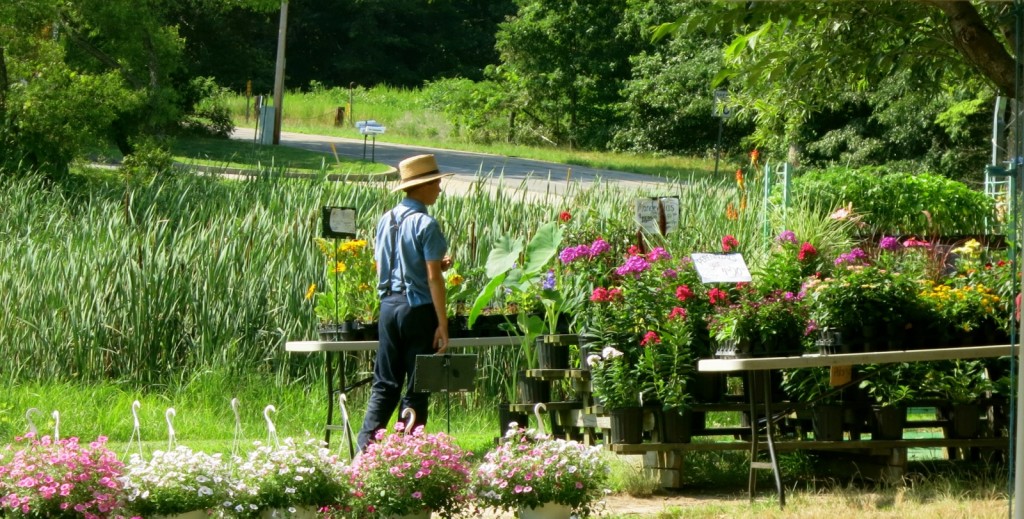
(150, 284)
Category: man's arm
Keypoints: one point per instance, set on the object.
(435, 279)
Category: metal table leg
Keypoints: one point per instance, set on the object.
(773, 464)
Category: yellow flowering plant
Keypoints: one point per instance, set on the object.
(964, 307)
(349, 280)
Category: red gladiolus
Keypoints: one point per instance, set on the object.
(565, 216)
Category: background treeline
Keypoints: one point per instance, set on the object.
(814, 83)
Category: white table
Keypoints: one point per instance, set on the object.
(332, 349)
(758, 371)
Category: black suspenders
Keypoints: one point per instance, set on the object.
(396, 225)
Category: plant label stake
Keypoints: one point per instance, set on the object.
(840, 375)
(56, 425)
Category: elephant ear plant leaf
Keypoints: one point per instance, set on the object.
(518, 270)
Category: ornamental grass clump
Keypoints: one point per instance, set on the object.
(292, 474)
(175, 482)
(407, 472)
(59, 479)
(525, 471)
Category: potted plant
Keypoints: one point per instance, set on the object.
(534, 475)
(411, 474)
(891, 386)
(771, 324)
(44, 477)
(669, 365)
(617, 385)
(962, 383)
(175, 483)
(348, 290)
(517, 275)
(812, 386)
(274, 480)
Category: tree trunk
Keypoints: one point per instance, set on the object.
(3, 84)
(976, 42)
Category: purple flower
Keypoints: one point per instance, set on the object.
(659, 253)
(571, 254)
(549, 281)
(853, 257)
(598, 247)
(890, 243)
(787, 236)
(669, 273)
(635, 265)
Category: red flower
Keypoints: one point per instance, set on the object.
(677, 312)
(599, 295)
(806, 251)
(650, 338)
(565, 216)
(717, 295)
(683, 292)
(729, 242)
(633, 250)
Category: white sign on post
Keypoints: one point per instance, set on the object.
(720, 268)
(658, 215)
(670, 213)
(370, 127)
(647, 214)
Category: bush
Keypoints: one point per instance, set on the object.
(898, 203)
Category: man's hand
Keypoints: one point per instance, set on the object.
(441, 339)
(446, 263)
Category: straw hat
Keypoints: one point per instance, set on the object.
(418, 170)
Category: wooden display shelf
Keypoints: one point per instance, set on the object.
(558, 374)
(793, 445)
(573, 405)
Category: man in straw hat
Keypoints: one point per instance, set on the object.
(411, 254)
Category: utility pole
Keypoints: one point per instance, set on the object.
(279, 72)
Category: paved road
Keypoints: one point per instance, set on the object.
(539, 177)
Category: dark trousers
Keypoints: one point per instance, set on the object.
(404, 333)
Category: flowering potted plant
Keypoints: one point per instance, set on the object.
(59, 479)
(410, 473)
(293, 476)
(617, 385)
(669, 364)
(767, 325)
(348, 291)
(175, 482)
(527, 473)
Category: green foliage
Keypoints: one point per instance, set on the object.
(208, 113)
(959, 381)
(893, 384)
(923, 205)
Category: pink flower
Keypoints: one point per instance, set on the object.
(717, 295)
(807, 251)
(677, 313)
(683, 292)
(729, 242)
(650, 338)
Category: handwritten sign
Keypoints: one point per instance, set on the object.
(658, 215)
(721, 268)
(669, 214)
(647, 214)
(338, 222)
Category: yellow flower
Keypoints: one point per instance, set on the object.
(310, 291)
(339, 267)
(455, 280)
